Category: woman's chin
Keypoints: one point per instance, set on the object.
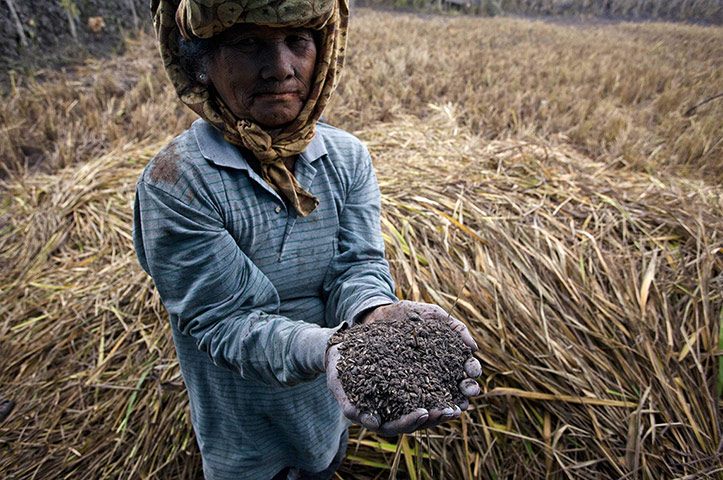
(276, 114)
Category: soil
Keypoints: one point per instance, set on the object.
(50, 43)
(391, 368)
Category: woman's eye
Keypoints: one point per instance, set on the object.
(298, 40)
(246, 42)
(243, 42)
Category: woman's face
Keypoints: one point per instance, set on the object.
(262, 73)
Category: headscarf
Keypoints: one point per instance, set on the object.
(206, 18)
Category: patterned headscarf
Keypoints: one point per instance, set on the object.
(206, 18)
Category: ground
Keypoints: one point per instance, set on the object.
(47, 31)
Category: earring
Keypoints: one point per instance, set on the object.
(202, 77)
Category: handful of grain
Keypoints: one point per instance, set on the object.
(391, 367)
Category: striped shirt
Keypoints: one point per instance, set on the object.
(254, 291)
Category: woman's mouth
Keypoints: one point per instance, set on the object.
(277, 96)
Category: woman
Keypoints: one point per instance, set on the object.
(260, 228)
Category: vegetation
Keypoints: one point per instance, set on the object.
(638, 7)
(547, 182)
(669, 9)
(618, 93)
(708, 11)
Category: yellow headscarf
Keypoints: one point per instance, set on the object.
(206, 18)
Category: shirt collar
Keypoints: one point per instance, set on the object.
(218, 151)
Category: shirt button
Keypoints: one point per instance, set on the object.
(277, 209)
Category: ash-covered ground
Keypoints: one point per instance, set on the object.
(47, 31)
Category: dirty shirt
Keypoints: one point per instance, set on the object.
(251, 288)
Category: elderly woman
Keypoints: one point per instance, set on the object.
(260, 227)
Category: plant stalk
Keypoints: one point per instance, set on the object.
(18, 24)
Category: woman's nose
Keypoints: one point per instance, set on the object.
(278, 62)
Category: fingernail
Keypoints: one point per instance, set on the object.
(422, 418)
(369, 421)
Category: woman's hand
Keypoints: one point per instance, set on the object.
(419, 418)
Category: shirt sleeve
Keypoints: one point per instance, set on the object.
(358, 278)
(215, 294)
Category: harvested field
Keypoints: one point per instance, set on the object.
(629, 95)
(592, 281)
(621, 93)
(702, 10)
(706, 11)
(595, 297)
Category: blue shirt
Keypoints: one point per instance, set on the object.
(254, 291)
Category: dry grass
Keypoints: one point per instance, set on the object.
(618, 93)
(595, 297)
(594, 292)
(706, 11)
(82, 332)
(711, 10)
(56, 118)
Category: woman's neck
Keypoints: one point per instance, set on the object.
(289, 162)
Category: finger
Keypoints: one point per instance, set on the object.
(428, 310)
(447, 415)
(450, 413)
(436, 416)
(375, 314)
(351, 412)
(332, 377)
(405, 424)
(469, 387)
(463, 331)
(437, 311)
(472, 367)
(442, 416)
(370, 421)
(332, 356)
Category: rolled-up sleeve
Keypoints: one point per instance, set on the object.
(217, 296)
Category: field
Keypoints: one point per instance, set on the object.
(706, 11)
(556, 184)
(674, 9)
(627, 94)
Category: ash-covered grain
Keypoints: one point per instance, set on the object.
(391, 368)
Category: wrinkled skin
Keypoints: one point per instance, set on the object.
(420, 418)
(263, 73)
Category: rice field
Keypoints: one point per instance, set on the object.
(637, 95)
(619, 93)
(670, 9)
(708, 11)
(557, 185)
